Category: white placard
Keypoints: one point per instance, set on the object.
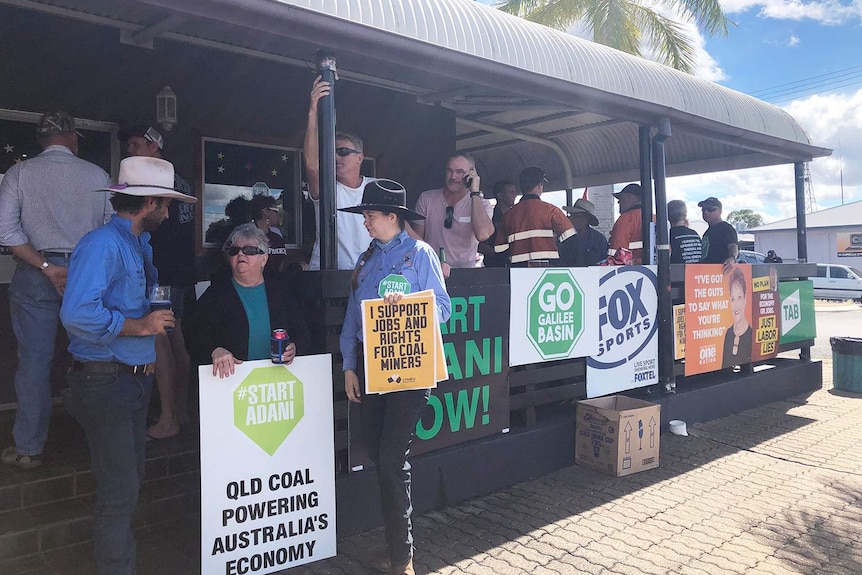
(267, 466)
(627, 307)
(551, 316)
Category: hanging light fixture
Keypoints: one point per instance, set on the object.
(166, 108)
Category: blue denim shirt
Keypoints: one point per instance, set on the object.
(109, 275)
(413, 259)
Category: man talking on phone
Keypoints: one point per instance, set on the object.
(457, 217)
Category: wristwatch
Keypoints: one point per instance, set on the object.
(44, 265)
(475, 194)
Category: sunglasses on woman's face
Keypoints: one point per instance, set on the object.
(346, 151)
(450, 213)
(247, 250)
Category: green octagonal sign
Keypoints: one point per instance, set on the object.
(267, 405)
(555, 314)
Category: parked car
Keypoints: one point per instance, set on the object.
(835, 281)
(750, 257)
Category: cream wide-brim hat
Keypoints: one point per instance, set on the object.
(145, 176)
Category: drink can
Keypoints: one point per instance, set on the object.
(278, 344)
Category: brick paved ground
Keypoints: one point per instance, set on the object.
(773, 490)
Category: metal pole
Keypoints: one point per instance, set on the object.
(646, 184)
(326, 142)
(665, 305)
(801, 233)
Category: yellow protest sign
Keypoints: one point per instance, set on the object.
(401, 346)
(679, 331)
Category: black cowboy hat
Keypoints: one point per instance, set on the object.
(384, 196)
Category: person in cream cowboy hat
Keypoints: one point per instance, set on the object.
(588, 247)
(389, 419)
(111, 338)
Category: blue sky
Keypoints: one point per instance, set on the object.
(815, 46)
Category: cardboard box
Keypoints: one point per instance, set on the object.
(617, 435)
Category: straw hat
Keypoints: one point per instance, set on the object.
(145, 176)
(583, 206)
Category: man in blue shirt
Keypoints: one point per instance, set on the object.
(112, 341)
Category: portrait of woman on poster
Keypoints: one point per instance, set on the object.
(738, 337)
(389, 420)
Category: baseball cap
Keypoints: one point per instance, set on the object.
(531, 177)
(710, 202)
(55, 123)
(633, 189)
(146, 132)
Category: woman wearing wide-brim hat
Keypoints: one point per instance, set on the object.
(389, 420)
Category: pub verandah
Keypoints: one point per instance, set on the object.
(469, 79)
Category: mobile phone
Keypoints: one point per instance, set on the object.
(468, 181)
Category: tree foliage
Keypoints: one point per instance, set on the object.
(626, 24)
(749, 217)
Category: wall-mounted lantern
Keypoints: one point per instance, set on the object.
(166, 108)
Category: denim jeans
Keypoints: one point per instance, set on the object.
(389, 424)
(34, 305)
(112, 409)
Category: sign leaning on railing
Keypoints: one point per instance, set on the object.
(732, 316)
(267, 471)
(797, 311)
(627, 307)
(551, 315)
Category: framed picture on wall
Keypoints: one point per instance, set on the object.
(233, 172)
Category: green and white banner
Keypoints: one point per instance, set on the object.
(552, 314)
(797, 311)
(267, 471)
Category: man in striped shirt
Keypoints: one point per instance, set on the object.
(532, 228)
(47, 204)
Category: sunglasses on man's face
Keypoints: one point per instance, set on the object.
(450, 214)
(247, 250)
(710, 210)
(346, 151)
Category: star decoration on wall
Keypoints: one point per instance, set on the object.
(274, 172)
(248, 166)
(221, 169)
(9, 148)
(221, 156)
(284, 158)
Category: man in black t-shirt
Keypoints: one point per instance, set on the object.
(174, 256)
(685, 246)
(720, 243)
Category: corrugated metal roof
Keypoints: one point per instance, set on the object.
(522, 94)
(835, 217)
(478, 30)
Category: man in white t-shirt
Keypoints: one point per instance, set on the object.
(457, 217)
(352, 237)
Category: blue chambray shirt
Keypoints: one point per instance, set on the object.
(413, 259)
(109, 274)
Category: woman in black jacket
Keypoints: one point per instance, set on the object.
(233, 320)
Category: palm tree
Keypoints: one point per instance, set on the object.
(622, 24)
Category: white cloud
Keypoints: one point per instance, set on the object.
(705, 66)
(794, 40)
(832, 121)
(830, 12)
